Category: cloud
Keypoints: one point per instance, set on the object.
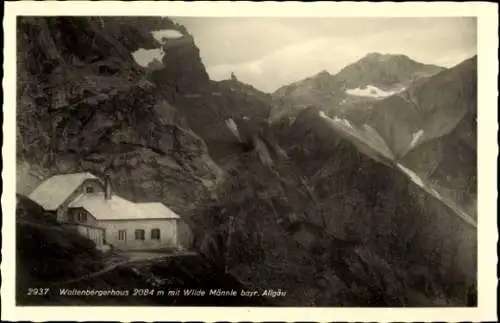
(293, 62)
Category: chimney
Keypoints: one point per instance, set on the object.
(107, 188)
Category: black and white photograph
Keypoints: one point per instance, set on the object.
(284, 162)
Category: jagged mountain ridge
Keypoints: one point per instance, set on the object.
(338, 93)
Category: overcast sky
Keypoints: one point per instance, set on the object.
(272, 52)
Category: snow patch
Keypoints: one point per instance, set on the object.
(436, 193)
(164, 35)
(365, 134)
(231, 125)
(336, 119)
(144, 57)
(371, 91)
(322, 114)
(451, 204)
(264, 155)
(415, 178)
(416, 137)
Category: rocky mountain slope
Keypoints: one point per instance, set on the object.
(85, 104)
(209, 107)
(335, 226)
(434, 106)
(431, 118)
(450, 161)
(431, 128)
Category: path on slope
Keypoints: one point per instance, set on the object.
(140, 257)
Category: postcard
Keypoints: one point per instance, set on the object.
(249, 161)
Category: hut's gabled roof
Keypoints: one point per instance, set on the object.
(52, 192)
(118, 208)
(156, 209)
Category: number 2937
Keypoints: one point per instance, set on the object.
(38, 291)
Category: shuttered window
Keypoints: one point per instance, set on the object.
(139, 234)
(122, 235)
(155, 234)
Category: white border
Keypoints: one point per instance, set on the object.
(487, 153)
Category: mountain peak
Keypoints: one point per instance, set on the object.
(384, 57)
(385, 71)
(321, 74)
(375, 55)
(324, 72)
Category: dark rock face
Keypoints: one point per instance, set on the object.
(86, 105)
(207, 110)
(183, 68)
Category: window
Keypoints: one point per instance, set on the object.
(89, 189)
(139, 234)
(82, 216)
(122, 234)
(155, 234)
